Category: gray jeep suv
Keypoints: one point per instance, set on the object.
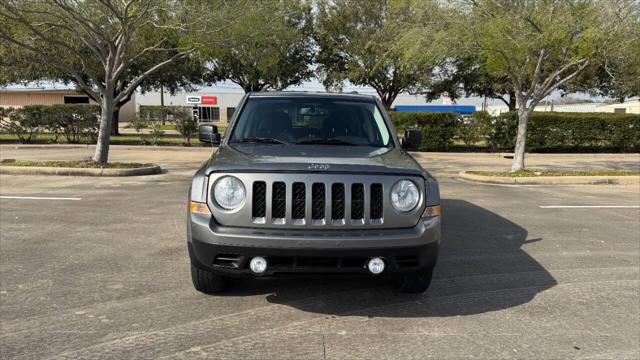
(312, 183)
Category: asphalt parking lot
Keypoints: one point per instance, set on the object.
(100, 270)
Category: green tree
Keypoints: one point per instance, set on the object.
(186, 124)
(73, 36)
(541, 45)
(185, 75)
(616, 73)
(376, 43)
(466, 75)
(271, 48)
(19, 65)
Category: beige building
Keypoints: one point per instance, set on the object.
(627, 107)
(13, 97)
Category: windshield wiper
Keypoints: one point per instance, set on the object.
(258, 140)
(326, 142)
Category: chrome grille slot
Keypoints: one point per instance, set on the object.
(259, 203)
(357, 204)
(298, 204)
(377, 199)
(279, 202)
(318, 201)
(337, 203)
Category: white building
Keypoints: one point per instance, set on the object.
(629, 107)
(208, 105)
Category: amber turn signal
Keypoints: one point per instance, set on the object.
(199, 208)
(431, 211)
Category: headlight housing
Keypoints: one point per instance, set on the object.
(405, 195)
(229, 192)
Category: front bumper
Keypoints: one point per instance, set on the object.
(229, 249)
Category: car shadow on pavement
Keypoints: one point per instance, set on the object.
(482, 267)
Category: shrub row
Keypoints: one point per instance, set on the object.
(547, 131)
(438, 128)
(185, 123)
(75, 123)
(162, 113)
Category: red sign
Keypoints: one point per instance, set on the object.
(209, 100)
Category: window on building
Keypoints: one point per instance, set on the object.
(230, 111)
(209, 114)
(76, 99)
(215, 114)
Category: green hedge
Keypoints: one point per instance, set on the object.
(558, 131)
(75, 123)
(438, 128)
(547, 131)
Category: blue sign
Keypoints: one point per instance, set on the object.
(460, 109)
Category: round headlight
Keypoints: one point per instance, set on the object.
(405, 195)
(229, 192)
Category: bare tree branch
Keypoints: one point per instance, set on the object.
(134, 84)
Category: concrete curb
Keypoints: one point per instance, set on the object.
(552, 180)
(118, 147)
(34, 170)
(428, 154)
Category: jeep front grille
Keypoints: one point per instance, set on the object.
(317, 198)
(317, 201)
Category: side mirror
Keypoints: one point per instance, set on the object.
(412, 139)
(209, 134)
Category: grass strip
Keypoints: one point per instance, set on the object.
(542, 172)
(124, 139)
(85, 164)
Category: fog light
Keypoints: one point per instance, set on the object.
(258, 265)
(375, 266)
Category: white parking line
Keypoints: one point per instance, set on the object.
(590, 207)
(39, 198)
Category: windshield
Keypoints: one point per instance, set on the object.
(311, 121)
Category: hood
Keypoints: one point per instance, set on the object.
(312, 158)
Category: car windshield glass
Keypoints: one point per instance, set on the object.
(312, 121)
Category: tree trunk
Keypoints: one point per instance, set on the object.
(102, 147)
(164, 115)
(387, 98)
(521, 139)
(512, 101)
(115, 122)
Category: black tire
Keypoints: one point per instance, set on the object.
(415, 282)
(208, 282)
